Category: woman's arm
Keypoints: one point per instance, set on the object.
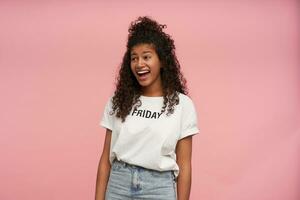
(183, 159)
(103, 168)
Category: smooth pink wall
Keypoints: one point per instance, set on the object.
(58, 62)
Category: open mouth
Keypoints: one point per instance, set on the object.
(143, 74)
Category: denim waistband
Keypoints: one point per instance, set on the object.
(131, 166)
(125, 164)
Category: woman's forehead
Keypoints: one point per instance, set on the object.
(142, 48)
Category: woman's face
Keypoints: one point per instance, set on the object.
(145, 65)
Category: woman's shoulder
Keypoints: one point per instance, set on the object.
(184, 98)
(186, 103)
(108, 103)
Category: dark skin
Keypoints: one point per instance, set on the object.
(184, 155)
(144, 57)
(103, 168)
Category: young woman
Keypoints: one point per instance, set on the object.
(149, 122)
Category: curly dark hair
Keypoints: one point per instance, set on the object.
(145, 30)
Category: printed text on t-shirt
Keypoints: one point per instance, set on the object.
(146, 113)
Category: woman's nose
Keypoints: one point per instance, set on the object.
(141, 63)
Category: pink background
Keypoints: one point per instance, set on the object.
(58, 62)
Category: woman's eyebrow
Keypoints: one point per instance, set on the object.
(142, 52)
(147, 51)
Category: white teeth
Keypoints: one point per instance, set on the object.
(143, 72)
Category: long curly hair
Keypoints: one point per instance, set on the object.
(145, 30)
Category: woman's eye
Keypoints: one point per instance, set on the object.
(147, 57)
(133, 59)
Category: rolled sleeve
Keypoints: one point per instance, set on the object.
(189, 120)
(107, 119)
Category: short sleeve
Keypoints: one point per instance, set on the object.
(189, 124)
(107, 119)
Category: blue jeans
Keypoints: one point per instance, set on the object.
(133, 182)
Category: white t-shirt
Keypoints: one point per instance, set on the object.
(148, 138)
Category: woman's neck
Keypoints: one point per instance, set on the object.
(152, 93)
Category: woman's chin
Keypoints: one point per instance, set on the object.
(144, 84)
